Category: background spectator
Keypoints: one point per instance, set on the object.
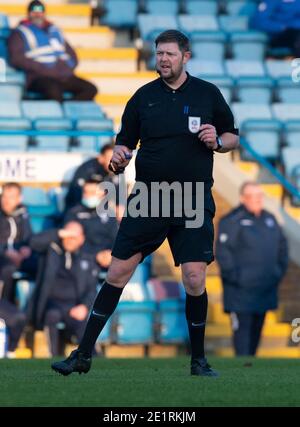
(281, 20)
(66, 285)
(39, 48)
(253, 257)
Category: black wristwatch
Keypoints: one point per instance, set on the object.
(219, 144)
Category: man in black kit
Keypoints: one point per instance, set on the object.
(180, 121)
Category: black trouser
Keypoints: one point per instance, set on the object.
(288, 38)
(247, 329)
(15, 321)
(56, 314)
(82, 90)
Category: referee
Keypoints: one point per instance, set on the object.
(180, 121)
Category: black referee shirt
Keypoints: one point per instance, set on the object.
(158, 116)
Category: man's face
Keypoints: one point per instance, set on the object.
(105, 158)
(170, 60)
(37, 18)
(11, 198)
(76, 239)
(253, 199)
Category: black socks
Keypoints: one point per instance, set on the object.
(196, 313)
(104, 306)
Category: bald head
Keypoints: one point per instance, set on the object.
(252, 197)
(72, 236)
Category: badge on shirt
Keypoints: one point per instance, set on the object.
(194, 124)
(270, 222)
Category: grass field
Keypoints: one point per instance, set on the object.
(152, 382)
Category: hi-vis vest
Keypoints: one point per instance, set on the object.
(45, 47)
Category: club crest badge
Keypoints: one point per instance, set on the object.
(194, 124)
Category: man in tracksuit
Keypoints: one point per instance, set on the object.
(253, 257)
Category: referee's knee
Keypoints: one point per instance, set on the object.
(194, 282)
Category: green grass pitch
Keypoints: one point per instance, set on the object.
(152, 382)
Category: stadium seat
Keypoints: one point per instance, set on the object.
(240, 7)
(163, 289)
(13, 143)
(208, 41)
(285, 111)
(203, 7)
(245, 111)
(292, 133)
(256, 90)
(4, 26)
(172, 321)
(120, 13)
(135, 322)
(248, 45)
(13, 76)
(264, 136)
(75, 110)
(150, 25)
(230, 24)
(3, 48)
(38, 109)
(225, 84)
(287, 91)
(24, 290)
(189, 24)
(237, 68)
(290, 159)
(162, 7)
(10, 109)
(205, 68)
(10, 92)
(278, 68)
(11, 120)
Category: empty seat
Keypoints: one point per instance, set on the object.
(51, 123)
(205, 68)
(189, 24)
(254, 89)
(10, 109)
(237, 68)
(240, 7)
(120, 13)
(278, 68)
(230, 24)
(35, 196)
(203, 7)
(3, 50)
(135, 322)
(264, 137)
(288, 91)
(290, 159)
(82, 109)
(292, 133)
(10, 92)
(162, 7)
(93, 143)
(163, 289)
(38, 109)
(212, 42)
(245, 111)
(248, 45)
(150, 25)
(50, 143)
(172, 321)
(13, 143)
(13, 76)
(286, 111)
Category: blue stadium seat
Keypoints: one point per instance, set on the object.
(3, 48)
(47, 143)
(135, 322)
(4, 27)
(205, 68)
(237, 68)
(106, 335)
(288, 91)
(151, 25)
(13, 76)
(10, 109)
(189, 24)
(244, 111)
(292, 133)
(256, 90)
(290, 159)
(278, 68)
(24, 290)
(162, 7)
(164, 289)
(120, 13)
(10, 92)
(10, 119)
(248, 45)
(172, 321)
(225, 84)
(264, 137)
(202, 7)
(240, 7)
(13, 143)
(75, 110)
(284, 111)
(208, 41)
(41, 109)
(230, 24)
(41, 208)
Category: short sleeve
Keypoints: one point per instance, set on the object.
(223, 118)
(129, 133)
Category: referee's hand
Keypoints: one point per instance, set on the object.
(119, 160)
(208, 135)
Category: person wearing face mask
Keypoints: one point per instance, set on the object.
(66, 284)
(252, 255)
(100, 229)
(39, 48)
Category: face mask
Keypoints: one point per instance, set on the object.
(91, 202)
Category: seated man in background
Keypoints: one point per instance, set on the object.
(100, 228)
(281, 20)
(66, 285)
(95, 168)
(15, 232)
(38, 47)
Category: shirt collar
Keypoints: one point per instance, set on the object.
(180, 88)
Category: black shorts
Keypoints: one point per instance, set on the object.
(145, 235)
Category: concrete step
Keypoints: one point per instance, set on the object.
(285, 352)
(96, 37)
(120, 60)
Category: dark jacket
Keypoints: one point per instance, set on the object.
(15, 229)
(100, 230)
(275, 16)
(34, 69)
(253, 257)
(49, 246)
